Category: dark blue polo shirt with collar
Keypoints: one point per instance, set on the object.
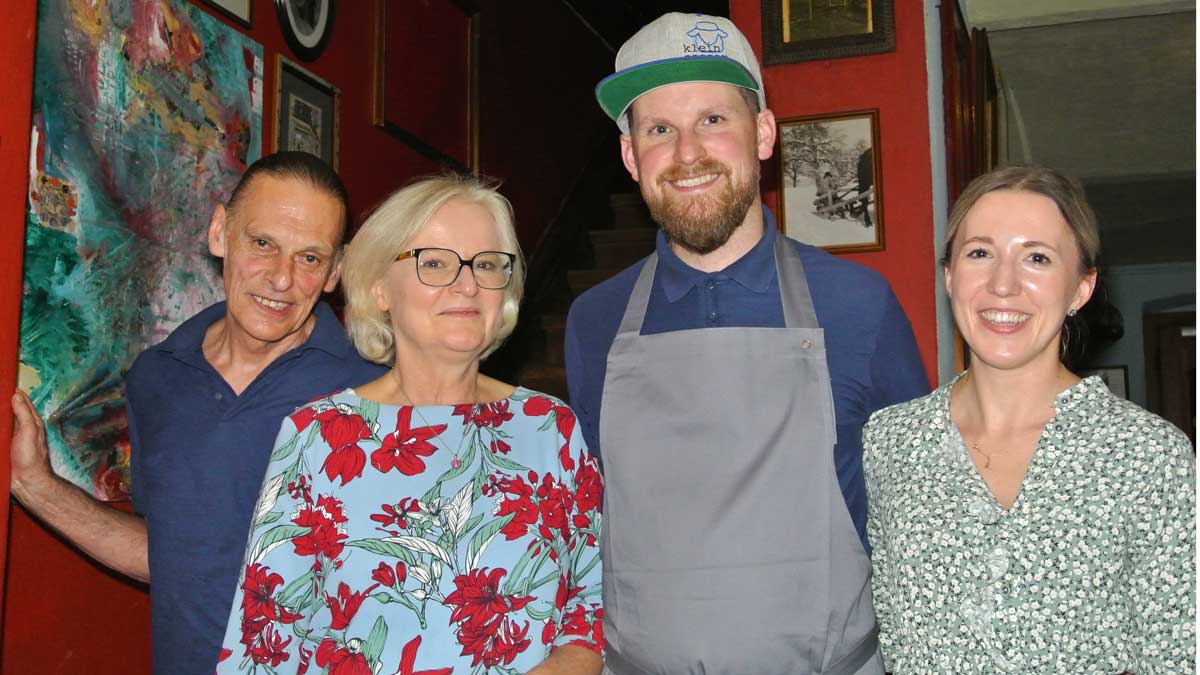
(198, 456)
(872, 354)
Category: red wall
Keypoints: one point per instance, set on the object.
(16, 78)
(895, 83)
(66, 615)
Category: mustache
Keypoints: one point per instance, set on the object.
(701, 168)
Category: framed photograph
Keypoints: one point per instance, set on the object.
(441, 120)
(1115, 377)
(811, 30)
(306, 112)
(306, 24)
(831, 190)
(241, 11)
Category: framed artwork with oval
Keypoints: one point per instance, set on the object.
(306, 25)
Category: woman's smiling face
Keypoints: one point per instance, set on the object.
(1013, 274)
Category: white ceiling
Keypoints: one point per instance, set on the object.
(1105, 90)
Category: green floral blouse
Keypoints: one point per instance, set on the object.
(1092, 569)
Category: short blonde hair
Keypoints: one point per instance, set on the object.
(386, 233)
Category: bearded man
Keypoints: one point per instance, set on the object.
(724, 382)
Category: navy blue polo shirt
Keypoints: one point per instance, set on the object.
(198, 456)
(872, 354)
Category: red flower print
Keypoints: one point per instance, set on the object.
(554, 502)
(396, 515)
(223, 654)
(565, 593)
(492, 414)
(510, 642)
(384, 575)
(343, 431)
(493, 643)
(576, 622)
(517, 502)
(589, 487)
(499, 447)
(565, 419)
(403, 449)
(269, 647)
(549, 632)
(408, 659)
(258, 586)
(305, 657)
(301, 489)
(465, 410)
(324, 536)
(537, 406)
(343, 609)
(342, 660)
(304, 417)
(477, 597)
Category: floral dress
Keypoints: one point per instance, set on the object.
(420, 541)
(1091, 570)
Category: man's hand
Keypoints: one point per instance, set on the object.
(31, 470)
(115, 538)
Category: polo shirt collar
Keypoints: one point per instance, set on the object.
(755, 270)
(186, 342)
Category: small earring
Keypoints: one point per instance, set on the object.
(1072, 311)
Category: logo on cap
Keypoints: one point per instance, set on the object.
(707, 38)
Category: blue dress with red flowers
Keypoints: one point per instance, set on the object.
(420, 541)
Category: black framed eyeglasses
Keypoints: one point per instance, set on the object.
(441, 266)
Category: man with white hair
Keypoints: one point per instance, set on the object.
(724, 382)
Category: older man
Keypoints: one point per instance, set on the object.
(204, 407)
(724, 381)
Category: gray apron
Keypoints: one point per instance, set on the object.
(727, 544)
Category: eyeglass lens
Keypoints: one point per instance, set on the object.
(440, 267)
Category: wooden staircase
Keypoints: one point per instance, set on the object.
(611, 245)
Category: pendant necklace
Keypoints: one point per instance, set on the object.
(455, 462)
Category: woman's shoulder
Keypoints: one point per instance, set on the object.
(917, 413)
(1123, 428)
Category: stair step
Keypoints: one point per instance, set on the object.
(624, 235)
(629, 211)
(621, 252)
(554, 327)
(581, 280)
(546, 379)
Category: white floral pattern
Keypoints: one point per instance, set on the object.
(1092, 569)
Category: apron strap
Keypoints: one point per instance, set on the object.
(639, 299)
(798, 309)
(797, 303)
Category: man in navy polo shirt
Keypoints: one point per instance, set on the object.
(205, 405)
(724, 382)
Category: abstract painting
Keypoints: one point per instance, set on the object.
(145, 113)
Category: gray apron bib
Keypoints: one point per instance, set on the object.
(727, 544)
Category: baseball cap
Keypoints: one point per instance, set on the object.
(676, 48)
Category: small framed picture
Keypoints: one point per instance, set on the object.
(241, 11)
(1116, 378)
(306, 113)
(306, 25)
(810, 30)
(831, 191)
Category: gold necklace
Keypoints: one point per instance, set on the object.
(987, 458)
(455, 462)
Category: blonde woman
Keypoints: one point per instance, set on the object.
(434, 520)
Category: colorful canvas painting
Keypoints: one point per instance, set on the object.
(145, 113)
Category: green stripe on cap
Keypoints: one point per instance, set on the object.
(617, 91)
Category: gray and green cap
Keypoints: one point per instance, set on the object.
(679, 48)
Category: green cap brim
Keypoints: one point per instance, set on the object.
(618, 90)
